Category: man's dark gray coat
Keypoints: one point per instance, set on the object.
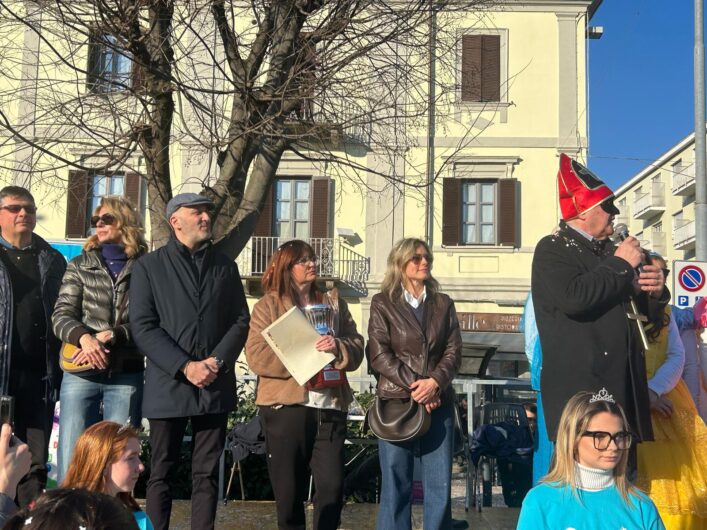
(181, 311)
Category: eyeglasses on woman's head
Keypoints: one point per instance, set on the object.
(603, 439)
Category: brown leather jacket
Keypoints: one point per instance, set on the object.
(399, 347)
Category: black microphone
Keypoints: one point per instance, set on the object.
(621, 232)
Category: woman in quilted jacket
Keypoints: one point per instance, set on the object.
(91, 313)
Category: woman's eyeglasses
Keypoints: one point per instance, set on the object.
(417, 258)
(17, 208)
(106, 219)
(603, 439)
(306, 259)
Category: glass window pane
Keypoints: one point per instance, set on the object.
(487, 213)
(469, 233)
(487, 233)
(282, 211)
(301, 230)
(302, 190)
(99, 185)
(469, 192)
(469, 214)
(302, 211)
(283, 229)
(116, 185)
(283, 190)
(487, 193)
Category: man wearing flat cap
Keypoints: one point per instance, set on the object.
(190, 319)
(582, 285)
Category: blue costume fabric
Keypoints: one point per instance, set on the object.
(143, 521)
(542, 454)
(558, 508)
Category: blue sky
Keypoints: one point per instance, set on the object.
(640, 84)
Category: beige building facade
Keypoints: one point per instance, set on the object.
(488, 153)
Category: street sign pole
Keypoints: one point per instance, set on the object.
(700, 149)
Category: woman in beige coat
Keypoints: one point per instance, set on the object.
(305, 427)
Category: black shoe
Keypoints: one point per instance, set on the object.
(459, 524)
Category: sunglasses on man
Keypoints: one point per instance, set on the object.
(30, 209)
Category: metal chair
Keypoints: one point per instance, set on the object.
(482, 479)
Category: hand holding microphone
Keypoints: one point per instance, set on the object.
(650, 277)
(629, 249)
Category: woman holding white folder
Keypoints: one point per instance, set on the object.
(305, 426)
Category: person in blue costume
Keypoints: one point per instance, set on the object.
(542, 449)
(587, 487)
(106, 460)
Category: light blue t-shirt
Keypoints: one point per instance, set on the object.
(554, 508)
(143, 521)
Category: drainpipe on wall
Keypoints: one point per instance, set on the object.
(431, 95)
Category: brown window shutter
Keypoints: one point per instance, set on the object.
(133, 189)
(471, 67)
(508, 213)
(264, 226)
(451, 211)
(76, 201)
(138, 77)
(319, 212)
(491, 68)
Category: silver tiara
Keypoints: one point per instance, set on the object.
(603, 395)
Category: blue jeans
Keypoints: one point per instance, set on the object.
(81, 399)
(397, 460)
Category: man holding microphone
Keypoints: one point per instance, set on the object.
(582, 288)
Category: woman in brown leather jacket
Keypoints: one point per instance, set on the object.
(305, 428)
(415, 348)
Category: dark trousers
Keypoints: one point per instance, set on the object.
(300, 439)
(208, 439)
(32, 425)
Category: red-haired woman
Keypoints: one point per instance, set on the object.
(304, 429)
(107, 460)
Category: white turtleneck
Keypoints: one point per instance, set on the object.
(591, 479)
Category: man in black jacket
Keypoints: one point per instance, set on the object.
(30, 277)
(190, 318)
(581, 288)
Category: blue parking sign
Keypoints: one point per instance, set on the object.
(683, 301)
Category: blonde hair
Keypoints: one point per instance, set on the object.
(127, 220)
(575, 419)
(401, 253)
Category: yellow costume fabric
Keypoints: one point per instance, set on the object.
(673, 468)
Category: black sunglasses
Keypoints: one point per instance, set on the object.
(666, 272)
(603, 439)
(417, 258)
(17, 208)
(106, 219)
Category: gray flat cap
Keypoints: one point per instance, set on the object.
(186, 199)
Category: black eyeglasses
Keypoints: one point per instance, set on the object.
(417, 258)
(106, 219)
(603, 439)
(666, 272)
(17, 208)
(306, 259)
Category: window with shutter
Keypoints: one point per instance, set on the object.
(480, 212)
(481, 68)
(77, 198)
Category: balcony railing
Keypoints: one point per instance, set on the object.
(657, 242)
(650, 203)
(335, 121)
(337, 261)
(684, 234)
(624, 216)
(684, 181)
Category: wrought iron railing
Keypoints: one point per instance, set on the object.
(337, 261)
